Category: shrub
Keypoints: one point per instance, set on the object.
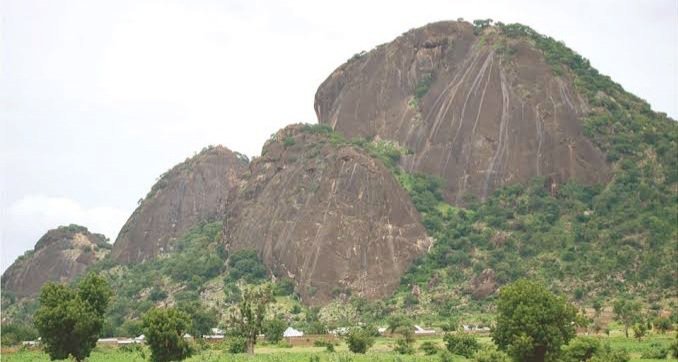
(274, 329)
(15, 333)
(656, 351)
(429, 348)
(446, 356)
(288, 141)
(491, 356)
(403, 346)
(606, 354)
(329, 346)
(237, 344)
(359, 340)
(283, 287)
(663, 324)
(581, 349)
(461, 344)
(423, 85)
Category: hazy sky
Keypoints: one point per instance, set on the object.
(98, 98)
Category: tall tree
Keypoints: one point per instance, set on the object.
(70, 320)
(247, 319)
(532, 322)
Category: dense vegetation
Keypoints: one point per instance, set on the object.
(595, 243)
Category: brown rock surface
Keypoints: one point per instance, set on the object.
(192, 191)
(327, 215)
(494, 113)
(59, 256)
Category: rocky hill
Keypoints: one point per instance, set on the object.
(447, 163)
(192, 191)
(475, 107)
(60, 255)
(326, 214)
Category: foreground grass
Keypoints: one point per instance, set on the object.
(380, 352)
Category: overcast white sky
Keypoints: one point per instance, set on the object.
(98, 98)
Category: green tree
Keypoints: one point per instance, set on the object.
(247, 319)
(359, 340)
(164, 329)
(626, 312)
(398, 323)
(532, 322)
(69, 320)
(274, 329)
(462, 344)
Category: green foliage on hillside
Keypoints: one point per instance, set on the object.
(180, 276)
(593, 242)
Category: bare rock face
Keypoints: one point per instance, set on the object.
(59, 256)
(192, 191)
(327, 215)
(478, 110)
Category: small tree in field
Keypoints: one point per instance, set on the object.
(461, 344)
(247, 319)
(70, 320)
(164, 329)
(626, 312)
(359, 340)
(274, 329)
(532, 322)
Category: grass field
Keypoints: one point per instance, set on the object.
(380, 352)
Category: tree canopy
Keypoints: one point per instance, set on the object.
(532, 322)
(69, 320)
(164, 329)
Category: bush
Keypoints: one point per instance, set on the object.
(656, 351)
(288, 141)
(581, 349)
(491, 356)
(606, 354)
(329, 346)
(462, 344)
(274, 329)
(284, 287)
(15, 333)
(403, 346)
(446, 356)
(245, 264)
(429, 348)
(359, 340)
(237, 344)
